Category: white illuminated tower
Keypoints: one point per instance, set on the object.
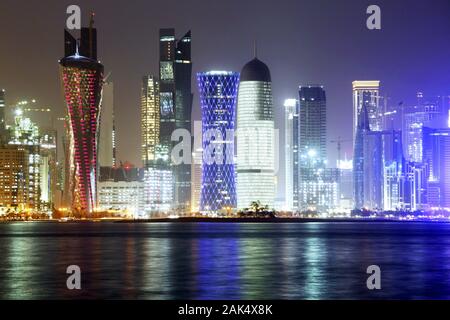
(255, 137)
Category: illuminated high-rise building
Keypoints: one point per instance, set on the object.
(127, 197)
(429, 112)
(48, 168)
(358, 158)
(436, 156)
(149, 119)
(158, 184)
(14, 178)
(106, 142)
(380, 175)
(218, 93)
(291, 112)
(82, 77)
(255, 138)
(175, 71)
(367, 94)
(317, 184)
(25, 134)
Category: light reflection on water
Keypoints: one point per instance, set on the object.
(225, 260)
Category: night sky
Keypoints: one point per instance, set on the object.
(302, 41)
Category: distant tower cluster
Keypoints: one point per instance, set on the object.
(82, 78)
(399, 167)
(218, 95)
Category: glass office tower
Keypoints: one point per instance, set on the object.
(175, 71)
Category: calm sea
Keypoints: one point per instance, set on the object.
(225, 260)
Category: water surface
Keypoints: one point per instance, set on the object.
(225, 260)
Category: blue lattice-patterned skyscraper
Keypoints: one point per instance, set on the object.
(218, 92)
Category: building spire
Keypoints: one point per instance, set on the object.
(77, 53)
(255, 49)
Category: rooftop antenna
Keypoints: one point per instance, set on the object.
(255, 49)
(77, 53)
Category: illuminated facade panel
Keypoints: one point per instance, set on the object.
(218, 93)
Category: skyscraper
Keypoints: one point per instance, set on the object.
(255, 138)
(379, 168)
(82, 78)
(291, 113)
(175, 71)
(317, 184)
(436, 156)
(429, 112)
(48, 168)
(358, 158)
(150, 126)
(218, 92)
(14, 177)
(25, 134)
(106, 148)
(366, 93)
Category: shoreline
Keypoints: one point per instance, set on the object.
(272, 220)
(233, 220)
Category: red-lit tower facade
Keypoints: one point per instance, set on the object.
(82, 79)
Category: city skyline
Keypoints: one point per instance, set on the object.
(224, 151)
(308, 57)
(176, 99)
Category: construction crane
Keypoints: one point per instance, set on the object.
(339, 143)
